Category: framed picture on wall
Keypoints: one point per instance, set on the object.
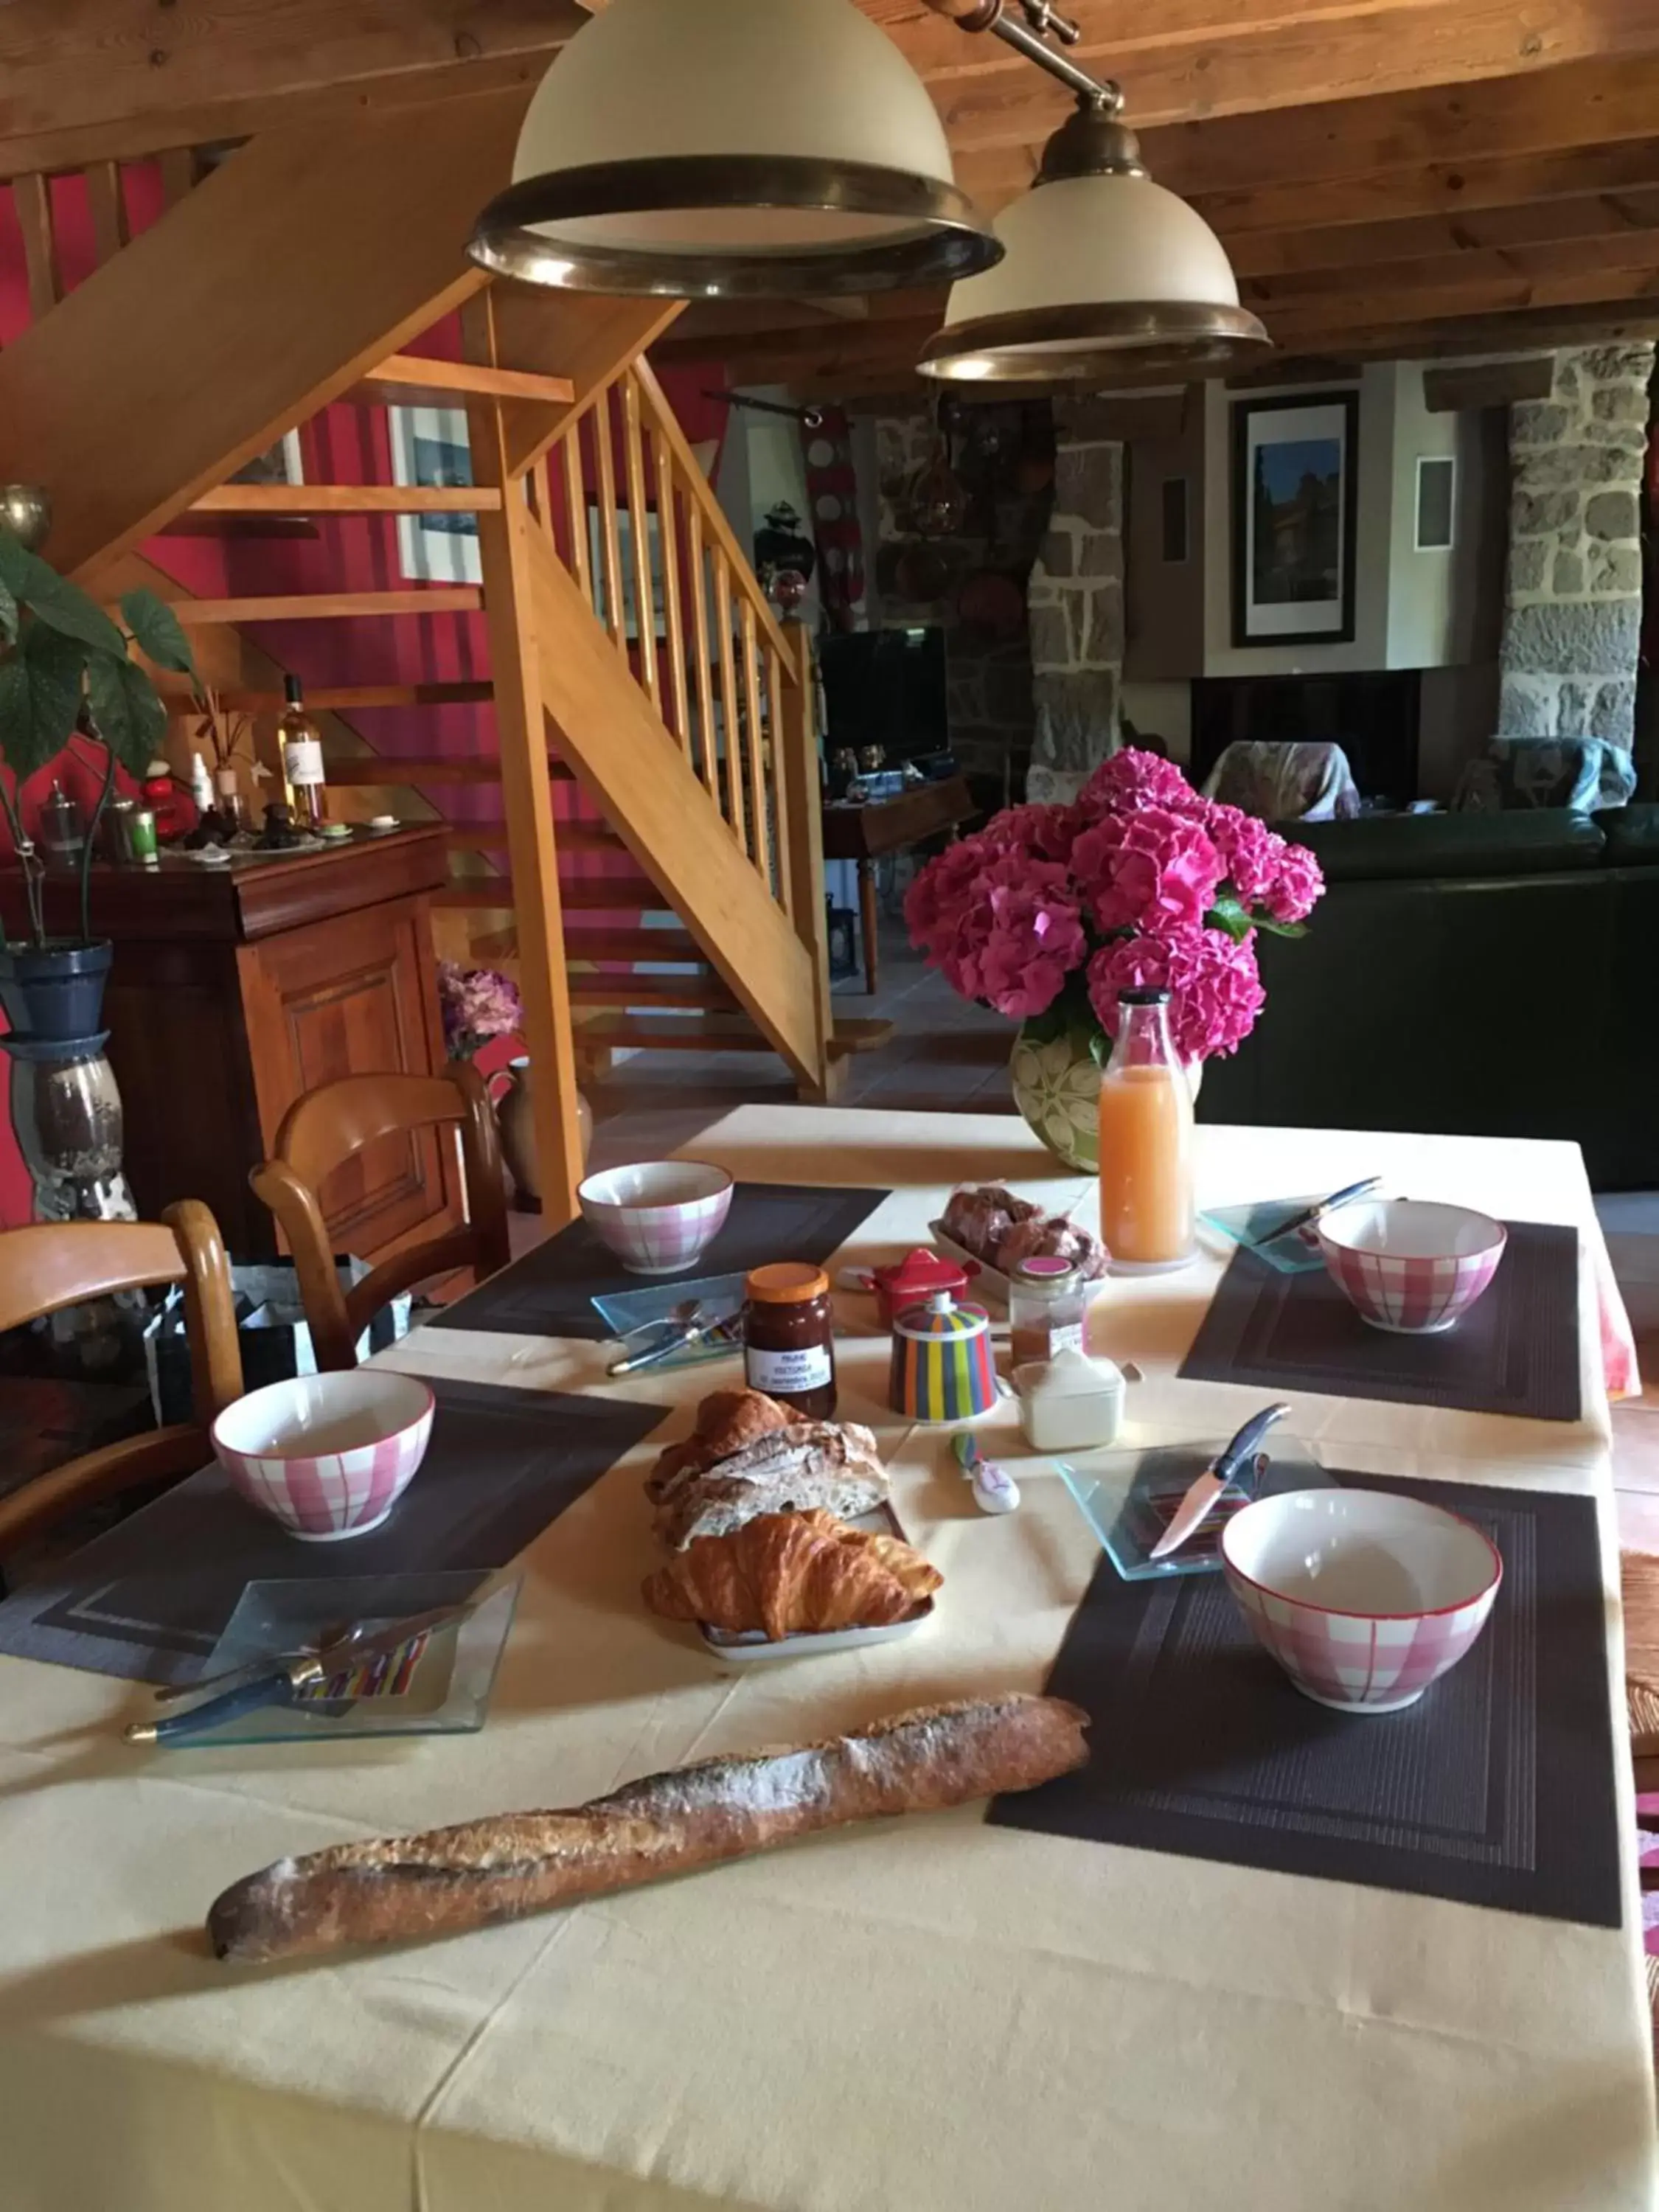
(629, 587)
(281, 464)
(430, 447)
(1295, 500)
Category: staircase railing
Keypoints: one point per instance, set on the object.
(633, 518)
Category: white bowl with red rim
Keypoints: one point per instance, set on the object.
(1364, 1597)
(328, 1456)
(659, 1217)
(1409, 1265)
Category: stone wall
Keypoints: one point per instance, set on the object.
(1573, 616)
(988, 674)
(1076, 597)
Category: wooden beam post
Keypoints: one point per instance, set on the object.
(803, 838)
(504, 540)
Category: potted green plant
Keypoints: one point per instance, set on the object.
(66, 664)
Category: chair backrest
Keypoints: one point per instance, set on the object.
(326, 1127)
(50, 1264)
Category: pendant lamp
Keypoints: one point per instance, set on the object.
(1106, 276)
(730, 150)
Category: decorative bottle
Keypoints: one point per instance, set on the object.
(303, 758)
(1146, 1212)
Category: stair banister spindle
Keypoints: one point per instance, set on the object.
(610, 536)
(754, 747)
(731, 703)
(668, 527)
(779, 784)
(702, 649)
(649, 672)
(575, 507)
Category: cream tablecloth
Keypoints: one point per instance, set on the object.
(932, 2015)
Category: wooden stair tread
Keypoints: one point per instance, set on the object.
(859, 1033)
(346, 499)
(405, 380)
(694, 992)
(610, 895)
(340, 698)
(331, 607)
(631, 945)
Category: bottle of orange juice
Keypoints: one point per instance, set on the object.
(1145, 1142)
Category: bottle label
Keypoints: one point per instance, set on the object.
(808, 1369)
(302, 760)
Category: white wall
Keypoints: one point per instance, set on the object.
(1164, 710)
(1433, 597)
(777, 471)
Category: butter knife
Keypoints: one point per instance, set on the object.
(1228, 1465)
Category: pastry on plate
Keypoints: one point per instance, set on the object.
(788, 1574)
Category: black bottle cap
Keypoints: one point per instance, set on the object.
(291, 687)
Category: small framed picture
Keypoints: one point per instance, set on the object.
(430, 448)
(1295, 521)
(630, 589)
(281, 464)
(1437, 503)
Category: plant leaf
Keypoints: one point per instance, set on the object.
(159, 633)
(1281, 928)
(9, 616)
(64, 606)
(40, 699)
(132, 719)
(1228, 913)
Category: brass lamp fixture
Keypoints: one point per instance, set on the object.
(1106, 277)
(732, 149)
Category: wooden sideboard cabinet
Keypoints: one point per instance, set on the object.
(235, 990)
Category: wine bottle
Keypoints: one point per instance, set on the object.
(303, 758)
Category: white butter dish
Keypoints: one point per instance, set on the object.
(1071, 1402)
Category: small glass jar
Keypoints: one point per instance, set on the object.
(1046, 1301)
(789, 1337)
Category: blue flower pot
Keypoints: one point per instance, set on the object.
(54, 991)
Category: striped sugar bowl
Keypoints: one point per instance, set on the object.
(1409, 1265)
(328, 1456)
(659, 1217)
(1363, 1597)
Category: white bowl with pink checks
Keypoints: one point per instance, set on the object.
(1410, 1264)
(328, 1456)
(1364, 1597)
(659, 1217)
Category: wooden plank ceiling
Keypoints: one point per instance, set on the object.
(1392, 176)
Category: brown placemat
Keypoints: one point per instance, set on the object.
(149, 1601)
(1495, 1789)
(1515, 1352)
(550, 1291)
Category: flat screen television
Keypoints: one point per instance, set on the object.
(886, 687)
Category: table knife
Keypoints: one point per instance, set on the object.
(995, 1490)
(1227, 1466)
(281, 1685)
(1309, 1214)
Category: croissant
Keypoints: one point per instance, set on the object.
(787, 1573)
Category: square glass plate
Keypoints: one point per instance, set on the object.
(1129, 1497)
(634, 1315)
(1257, 1226)
(447, 1692)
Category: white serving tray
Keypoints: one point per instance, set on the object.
(748, 1647)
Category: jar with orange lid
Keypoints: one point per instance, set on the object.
(789, 1337)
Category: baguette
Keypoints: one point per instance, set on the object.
(456, 1879)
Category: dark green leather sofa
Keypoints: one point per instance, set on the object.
(1488, 973)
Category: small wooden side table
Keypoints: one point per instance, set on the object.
(879, 826)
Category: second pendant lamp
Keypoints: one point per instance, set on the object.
(1107, 277)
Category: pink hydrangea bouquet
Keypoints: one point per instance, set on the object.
(1048, 911)
(477, 1004)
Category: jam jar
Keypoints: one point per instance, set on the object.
(788, 1338)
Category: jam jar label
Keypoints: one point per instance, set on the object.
(808, 1369)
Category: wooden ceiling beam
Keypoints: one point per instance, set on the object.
(1279, 298)
(1323, 323)
(1286, 255)
(1275, 59)
(119, 81)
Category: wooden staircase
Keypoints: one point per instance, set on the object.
(632, 653)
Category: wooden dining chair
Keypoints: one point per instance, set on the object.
(52, 1264)
(326, 1127)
